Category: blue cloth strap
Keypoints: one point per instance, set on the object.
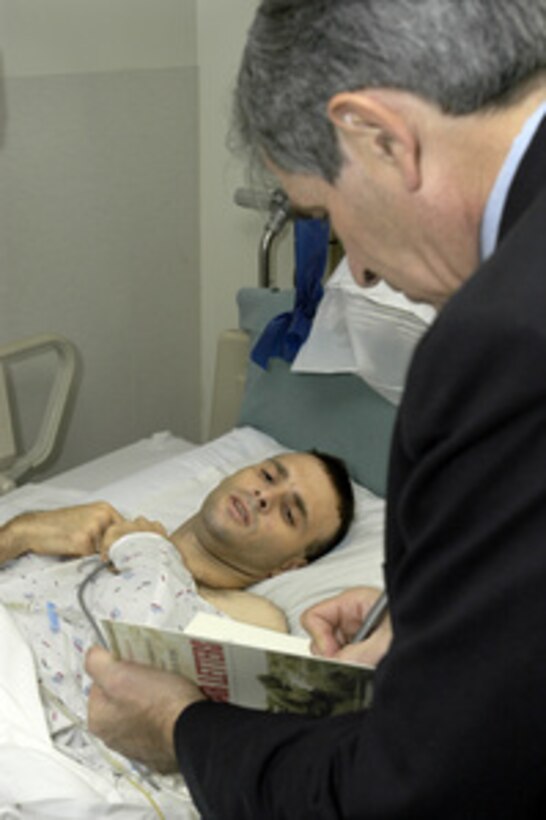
(285, 334)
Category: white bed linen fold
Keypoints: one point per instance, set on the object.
(32, 772)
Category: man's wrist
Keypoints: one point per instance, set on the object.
(12, 539)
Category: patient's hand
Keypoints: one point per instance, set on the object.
(333, 623)
(72, 531)
(124, 527)
(133, 708)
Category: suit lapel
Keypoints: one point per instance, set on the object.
(528, 182)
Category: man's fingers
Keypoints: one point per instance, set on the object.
(324, 638)
(115, 531)
(98, 663)
(333, 623)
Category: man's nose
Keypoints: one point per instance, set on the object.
(266, 499)
(362, 275)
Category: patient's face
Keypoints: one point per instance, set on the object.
(261, 519)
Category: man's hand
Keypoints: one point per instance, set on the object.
(123, 527)
(133, 708)
(333, 623)
(72, 531)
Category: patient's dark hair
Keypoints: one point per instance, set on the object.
(338, 474)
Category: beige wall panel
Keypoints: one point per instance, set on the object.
(98, 227)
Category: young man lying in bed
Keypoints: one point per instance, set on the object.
(264, 519)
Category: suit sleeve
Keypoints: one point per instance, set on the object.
(457, 728)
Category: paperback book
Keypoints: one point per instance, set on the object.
(247, 665)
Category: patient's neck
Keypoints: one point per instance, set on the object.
(207, 570)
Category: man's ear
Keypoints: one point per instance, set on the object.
(291, 563)
(372, 125)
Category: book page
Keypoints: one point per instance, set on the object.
(164, 649)
(215, 628)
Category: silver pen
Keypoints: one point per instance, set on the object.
(372, 619)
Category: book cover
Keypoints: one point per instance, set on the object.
(247, 665)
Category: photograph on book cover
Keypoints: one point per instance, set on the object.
(303, 685)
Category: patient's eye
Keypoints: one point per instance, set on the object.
(289, 516)
(267, 475)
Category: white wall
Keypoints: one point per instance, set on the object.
(99, 207)
(42, 37)
(117, 221)
(229, 234)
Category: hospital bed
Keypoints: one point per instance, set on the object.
(165, 477)
(17, 459)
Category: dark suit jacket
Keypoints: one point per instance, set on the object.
(458, 725)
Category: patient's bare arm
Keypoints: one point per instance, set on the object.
(71, 531)
(247, 607)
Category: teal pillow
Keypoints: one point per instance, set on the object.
(338, 413)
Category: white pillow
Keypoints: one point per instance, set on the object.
(371, 332)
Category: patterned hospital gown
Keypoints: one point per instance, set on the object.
(151, 586)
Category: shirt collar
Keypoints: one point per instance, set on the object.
(497, 198)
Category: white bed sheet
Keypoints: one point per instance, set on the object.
(125, 461)
(167, 480)
(36, 781)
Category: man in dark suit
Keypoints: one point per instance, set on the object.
(420, 129)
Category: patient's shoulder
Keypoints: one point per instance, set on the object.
(247, 607)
